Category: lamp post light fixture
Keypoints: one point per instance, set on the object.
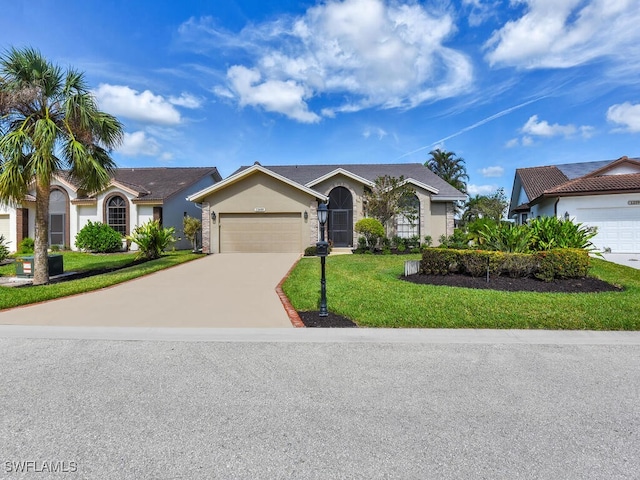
(322, 250)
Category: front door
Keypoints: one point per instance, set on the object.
(340, 222)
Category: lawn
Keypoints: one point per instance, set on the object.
(367, 290)
(81, 262)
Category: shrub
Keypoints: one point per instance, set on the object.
(548, 265)
(428, 240)
(4, 250)
(371, 229)
(562, 263)
(413, 242)
(437, 261)
(550, 232)
(98, 237)
(151, 239)
(26, 245)
(505, 237)
(457, 240)
(191, 226)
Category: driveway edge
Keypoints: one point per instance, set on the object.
(294, 318)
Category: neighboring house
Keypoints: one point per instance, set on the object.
(602, 194)
(274, 208)
(134, 196)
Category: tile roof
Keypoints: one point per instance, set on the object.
(576, 179)
(536, 180)
(304, 174)
(598, 184)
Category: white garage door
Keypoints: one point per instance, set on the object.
(618, 228)
(4, 227)
(259, 232)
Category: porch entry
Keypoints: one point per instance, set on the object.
(340, 223)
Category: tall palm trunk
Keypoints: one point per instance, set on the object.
(41, 243)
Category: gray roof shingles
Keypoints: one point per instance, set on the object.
(160, 183)
(303, 174)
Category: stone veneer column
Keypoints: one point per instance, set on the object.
(450, 222)
(313, 220)
(206, 228)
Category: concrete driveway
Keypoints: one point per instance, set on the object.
(628, 259)
(233, 290)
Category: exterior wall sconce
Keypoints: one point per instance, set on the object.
(306, 215)
(213, 216)
(566, 216)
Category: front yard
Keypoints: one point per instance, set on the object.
(367, 289)
(85, 262)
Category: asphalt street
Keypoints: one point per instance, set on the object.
(321, 406)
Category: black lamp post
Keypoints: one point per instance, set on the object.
(322, 249)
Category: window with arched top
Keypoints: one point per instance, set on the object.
(58, 217)
(116, 213)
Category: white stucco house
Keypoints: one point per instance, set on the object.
(604, 194)
(274, 208)
(134, 196)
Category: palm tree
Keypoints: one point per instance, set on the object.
(452, 170)
(49, 122)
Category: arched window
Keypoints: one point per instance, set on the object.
(116, 211)
(408, 222)
(58, 217)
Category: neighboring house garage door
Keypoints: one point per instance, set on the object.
(618, 228)
(260, 232)
(4, 228)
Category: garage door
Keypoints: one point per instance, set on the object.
(260, 232)
(4, 227)
(618, 228)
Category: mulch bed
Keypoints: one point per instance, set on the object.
(313, 320)
(507, 284)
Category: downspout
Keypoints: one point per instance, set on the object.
(555, 207)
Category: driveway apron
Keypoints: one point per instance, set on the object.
(232, 290)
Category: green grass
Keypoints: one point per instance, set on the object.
(75, 261)
(367, 290)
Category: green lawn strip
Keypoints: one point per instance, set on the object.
(13, 297)
(367, 290)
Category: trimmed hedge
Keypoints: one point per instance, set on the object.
(547, 265)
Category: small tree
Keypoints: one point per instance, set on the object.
(385, 200)
(492, 207)
(191, 226)
(371, 229)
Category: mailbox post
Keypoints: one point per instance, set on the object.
(322, 250)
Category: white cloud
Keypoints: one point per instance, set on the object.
(186, 100)
(138, 143)
(566, 33)
(514, 142)
(541, 128)
(544, 129)
(358, 53)
(377, 131)
(473, 190)
(527, 141)
(491, 172)
(625, 114)
(272, 95)
(478, 11)
(144, 106)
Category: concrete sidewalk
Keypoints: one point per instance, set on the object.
(233, 290)
(628, 259)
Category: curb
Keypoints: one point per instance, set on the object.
(294, 318)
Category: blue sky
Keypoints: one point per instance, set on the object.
(503, 84)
